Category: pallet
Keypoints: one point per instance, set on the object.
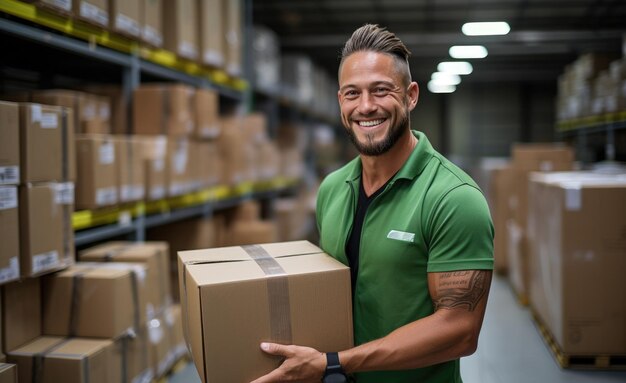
(578, 362)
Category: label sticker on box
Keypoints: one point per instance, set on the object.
(153, 36)
(49, 120)
(8, 198)
(35, 113)
(127, 24)
(106, 196)
(94, 13)
(107, 153)
(187, 49)
(45, 261)
(157, 192)
(105, 112)
(64, 193)
(89, 111)
(63, 4)
(573, 197)
(9, 175)
(11, 272)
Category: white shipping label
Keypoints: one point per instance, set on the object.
(64, 193)
(180, 160)
(105, 112)
(92, 12)
(11, 272)
(138, 192)
(35, 113)
(45, 261)
(127, 24)
(152, 36)
(106, 196)
(187, 49)
(158, 165)
(126, 193)
(63, 4)
(107, 153)
(157, 192)
(573, 198)
(155, 331)
(8, 198)
(89, 112)
(49, 120)
(9, 175)
(124, 219)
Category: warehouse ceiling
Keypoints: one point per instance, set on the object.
(545, 35)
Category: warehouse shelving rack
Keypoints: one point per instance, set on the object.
(92, 43)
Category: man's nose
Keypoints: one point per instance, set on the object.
(366, 104)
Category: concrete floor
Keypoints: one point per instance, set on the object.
(510, 350)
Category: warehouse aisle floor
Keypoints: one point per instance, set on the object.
(510, 350)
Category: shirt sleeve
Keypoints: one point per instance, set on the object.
(460, 232)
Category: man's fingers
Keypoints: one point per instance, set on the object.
(274, 348)
(271, 377)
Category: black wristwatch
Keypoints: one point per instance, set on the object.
(334, 372)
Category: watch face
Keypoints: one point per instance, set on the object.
(335, 378)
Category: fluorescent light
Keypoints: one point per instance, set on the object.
(455, 67)
(435, 88)
(443, 78)
(468, 52)
(486, 28)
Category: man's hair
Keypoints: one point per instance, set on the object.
(371, 37)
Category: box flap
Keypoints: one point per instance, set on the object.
(39, 345)
(79, 348)
(238, 253)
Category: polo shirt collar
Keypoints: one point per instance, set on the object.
(414, 165)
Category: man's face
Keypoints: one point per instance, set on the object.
(374, 101)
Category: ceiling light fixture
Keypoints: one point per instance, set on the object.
(468, 52)
(455, 67)
(486, 28)
(435, 88)
(444, 78)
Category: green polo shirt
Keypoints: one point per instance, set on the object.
(431, 217)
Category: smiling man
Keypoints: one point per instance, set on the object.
(414, 229)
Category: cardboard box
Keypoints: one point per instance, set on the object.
(180, 28)
(159, 349)
(135, 352)
(504, 201)
(206, 112)
(163, 109)
(92, 11)
(41, 143)
(97, 172)
(233, 37)
(152, 22)
(546, 157)
(124, 17)
(8, 373)
(577, 234)
(100, 300)
(154, 255)
(207, 166)
(174, 323)
(250, 232)
(96, 115)
(197, 233)
(155, 157)
(9, 235)
(231, 144)
(21, 313)
(76, 360)
(222, 288)
(130, 169)
(211, 32)
(118, 110)
(45, 222)
(61, 6)
(247, 211)
(10, 144)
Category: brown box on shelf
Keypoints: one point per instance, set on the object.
(97, 173)
(130, 169)
(232, 151)
(61, 6)
(125, 17)
(117, 104)
(233, 35)
(250, 232)
(211, 32)
(545, 157)
(174, 324)
(180, 28)
(155, 256)
(92, 11)
(10, 143)
(576, 233)
(224, 287)
(41, 143)
(178, 167)
(206, 112)
(163, 109)
(96, 117)
(135, 350)
(152, 22)
(207, 165)
(45, 224)
(67, 360)
(100, 300)
(9, 235)
(160, 347)
(196, 233)
(21, 313)
(8, 373)
(63, 97)
(155, 157)
(247, 211)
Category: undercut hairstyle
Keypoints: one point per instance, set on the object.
(373, 38)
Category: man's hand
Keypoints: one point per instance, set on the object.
(301, 364)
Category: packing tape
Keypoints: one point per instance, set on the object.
(77, 281)
(277, 292)
(38, 359)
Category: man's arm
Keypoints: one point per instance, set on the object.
(459, 299)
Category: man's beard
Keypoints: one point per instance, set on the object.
(376, 149)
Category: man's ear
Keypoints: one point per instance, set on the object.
(413, 93)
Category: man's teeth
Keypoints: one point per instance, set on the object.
(370, 123)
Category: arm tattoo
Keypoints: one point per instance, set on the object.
(461, 289)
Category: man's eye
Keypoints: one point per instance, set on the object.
(350, 93)
(381, 91)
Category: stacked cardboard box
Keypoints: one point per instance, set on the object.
(92, 11)
(576, 228)
(290, 301)
(180, 28)
(211, 32)
(97, 184)
(125, 17)
(152, 22)
(233, 35)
